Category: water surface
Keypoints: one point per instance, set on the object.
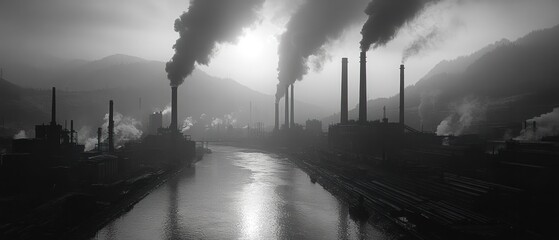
(236, 193)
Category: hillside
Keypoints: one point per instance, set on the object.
(85, 88)
(494, 89)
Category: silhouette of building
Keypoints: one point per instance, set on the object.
(155, 122)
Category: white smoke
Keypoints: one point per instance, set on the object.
(167, 110)
(20, 135)
(216, 122)
(125, 129)
(84, 136)
(230, 119)
(462, 116)
(546, 125)
(187, 124)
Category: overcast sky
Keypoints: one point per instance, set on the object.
(92, 29)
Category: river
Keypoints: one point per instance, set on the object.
(236, 193)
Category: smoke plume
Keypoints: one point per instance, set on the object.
(386, 17)
(20, 135)
(312, 26)
(462, 116)
(167, 110)
(546, 125)
(207, 23)
(125, 129)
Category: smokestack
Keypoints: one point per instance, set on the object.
(402, 94)
(343, 111)
(99, 133)
(534, 126)
(111, 127)
(71, 131)
(286, 106)
(276, 126)
(174, 125)
(363, 88)
(292, 116)
(53, 110)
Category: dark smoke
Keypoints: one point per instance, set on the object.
(386, 17)
(312, 26)
(207, 23)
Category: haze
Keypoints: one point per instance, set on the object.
(91, 30)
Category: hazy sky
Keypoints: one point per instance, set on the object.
(87, 29)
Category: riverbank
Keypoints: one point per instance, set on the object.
(89, 228)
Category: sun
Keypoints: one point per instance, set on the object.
(250, 45)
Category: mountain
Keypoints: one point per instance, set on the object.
(497, 87)
(84, 89)
(460, 64)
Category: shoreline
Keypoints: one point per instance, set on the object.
(89, 228)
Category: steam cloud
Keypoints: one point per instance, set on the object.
(187, 124)
(125, 129)
(462, 116)
(386, 17)
(167, 110)
(547, 125)
(20, 135)
(207, 23)
(312, 26)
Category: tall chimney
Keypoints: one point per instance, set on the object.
(286, 106)
(363, 88)
(276, 126)
(53, 110)
(343, 111)
(99, 132)
(402, 94)
(292, 116)
(71, 131)
(111, 127)
(534, 126)
(173, 125)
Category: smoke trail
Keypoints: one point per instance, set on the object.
(207, 23)
(546, 125)
(431, 38)
(420, 44)
(386, 17)
(312, 26)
